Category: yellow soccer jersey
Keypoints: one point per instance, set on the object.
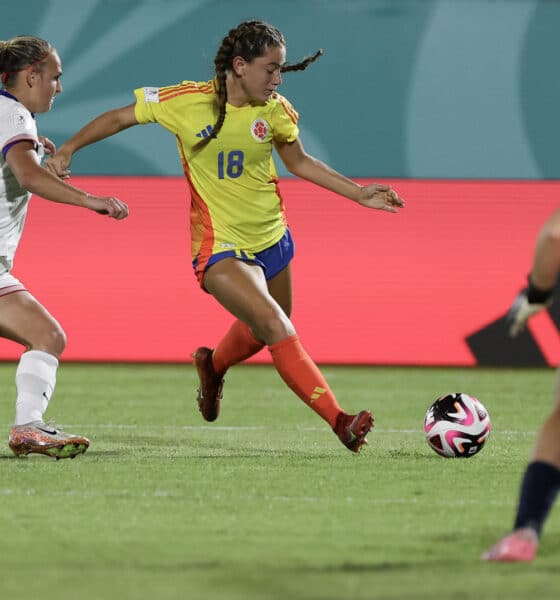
(236, 204)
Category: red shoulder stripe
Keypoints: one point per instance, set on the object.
(194, 89)
(288, 108)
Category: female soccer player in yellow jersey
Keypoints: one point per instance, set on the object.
(241, 246)
(31, 71)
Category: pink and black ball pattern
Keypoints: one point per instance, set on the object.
(457, 425)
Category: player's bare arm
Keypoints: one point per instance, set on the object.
(298, 162)
(24, 163)
(49, 145)
(100, 128)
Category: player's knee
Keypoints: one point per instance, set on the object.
(288, 310)
(551, 229)
(553, 234)
(53, 341)
(274, 329)
(59, 339)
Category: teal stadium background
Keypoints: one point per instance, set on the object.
(406, 88)
(454, 102)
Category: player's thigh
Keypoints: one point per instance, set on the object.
(241, 288)
(25, 320)
(280, 288)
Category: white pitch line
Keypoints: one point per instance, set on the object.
(296, 499)
(218, 428)
(263, 427)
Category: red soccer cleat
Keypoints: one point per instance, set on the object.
(209, 393)
(513, 548)
(352, 429)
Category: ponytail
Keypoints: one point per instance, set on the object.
(249, 40)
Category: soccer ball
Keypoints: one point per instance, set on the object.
(457, 425)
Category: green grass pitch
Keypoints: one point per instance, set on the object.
(266, 504)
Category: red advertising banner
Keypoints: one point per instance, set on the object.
(427, 286)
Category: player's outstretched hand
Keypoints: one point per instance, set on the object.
(48, 145)
(58, 164)
(381, 197)
(112, 207)
(521, 310)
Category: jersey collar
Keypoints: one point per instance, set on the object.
(12, 97)
(8, 95)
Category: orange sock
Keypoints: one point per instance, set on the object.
(236, 346)
(303, 377)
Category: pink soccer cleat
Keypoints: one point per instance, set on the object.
(513, 548)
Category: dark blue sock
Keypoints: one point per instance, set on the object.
(538, 492)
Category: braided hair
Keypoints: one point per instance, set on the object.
(249, 40)
(19, 53)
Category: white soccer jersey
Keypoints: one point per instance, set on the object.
(16, 124)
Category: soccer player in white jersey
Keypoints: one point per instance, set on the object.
(31, 71)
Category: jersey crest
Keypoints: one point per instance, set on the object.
(259, 130)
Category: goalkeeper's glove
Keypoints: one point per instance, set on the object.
(528, 302)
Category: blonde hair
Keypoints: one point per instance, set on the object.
(19, 53)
